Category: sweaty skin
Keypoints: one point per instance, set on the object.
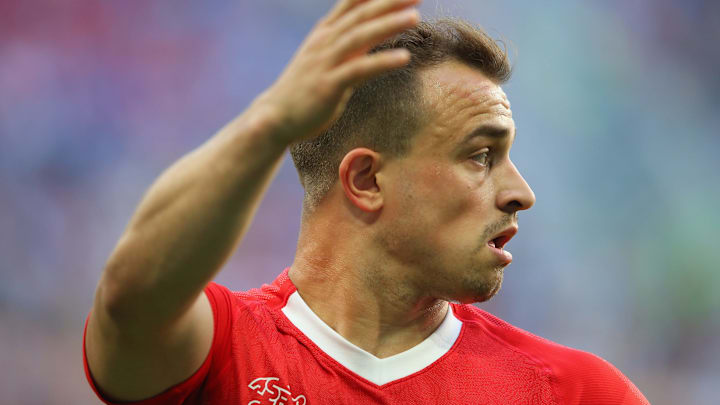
(396, 239)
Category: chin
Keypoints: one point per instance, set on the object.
(482, 290)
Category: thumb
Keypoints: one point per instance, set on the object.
(342, 103)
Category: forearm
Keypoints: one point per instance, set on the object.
(151, 327)
(190, 220)
(193, 216)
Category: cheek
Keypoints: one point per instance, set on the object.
(421, 201)
(458, 208)
(446, 195)
(440, 197)
(435, 216)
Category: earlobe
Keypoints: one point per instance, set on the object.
(357, 175)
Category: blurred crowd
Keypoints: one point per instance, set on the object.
(617, 105)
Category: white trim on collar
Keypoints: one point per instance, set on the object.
(376, 370)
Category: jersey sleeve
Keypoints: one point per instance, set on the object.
(584, 378)
(190, 390)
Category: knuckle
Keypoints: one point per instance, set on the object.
(325, 87)
(343, 44)
(353, 38)
(354, 71)
(365, 13)
(321, 34)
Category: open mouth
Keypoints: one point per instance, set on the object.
(498, 242)
(502, 238)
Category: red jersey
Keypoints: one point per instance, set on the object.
(270, 348)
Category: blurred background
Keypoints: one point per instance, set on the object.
(618, 109)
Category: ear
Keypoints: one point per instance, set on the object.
(357, 175)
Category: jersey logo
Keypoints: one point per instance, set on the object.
(272, 393)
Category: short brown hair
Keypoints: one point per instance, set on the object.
(384, 113)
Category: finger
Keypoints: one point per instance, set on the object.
(361, 69)
(368, 11)
(342, 7)
(365, 36)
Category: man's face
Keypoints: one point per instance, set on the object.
(457, 191)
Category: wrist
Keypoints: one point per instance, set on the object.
(256, 130)
(267, 117)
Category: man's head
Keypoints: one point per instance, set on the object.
(422, 155)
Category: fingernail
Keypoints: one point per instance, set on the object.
(409, 15)
(401, 54)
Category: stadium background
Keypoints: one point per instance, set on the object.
(618, 109)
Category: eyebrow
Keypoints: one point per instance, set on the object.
(487, 131)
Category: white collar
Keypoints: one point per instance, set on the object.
(376, 370)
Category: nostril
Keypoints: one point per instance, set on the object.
(513, 206)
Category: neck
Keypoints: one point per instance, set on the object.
(370, 302)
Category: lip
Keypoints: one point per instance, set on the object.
(497, 242)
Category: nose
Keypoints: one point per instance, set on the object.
(514, 192)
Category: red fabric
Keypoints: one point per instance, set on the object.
(258, 357)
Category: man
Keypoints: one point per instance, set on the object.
(401, 135)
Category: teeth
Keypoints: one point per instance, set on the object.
(491, 243)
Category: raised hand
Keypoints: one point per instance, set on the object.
(313, 89)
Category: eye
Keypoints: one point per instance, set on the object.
(483, 158)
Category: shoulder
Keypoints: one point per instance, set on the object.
(244, 314)
(268, 295)
(578, 377)
(232, 309)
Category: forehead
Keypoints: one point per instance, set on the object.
(459, 99)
